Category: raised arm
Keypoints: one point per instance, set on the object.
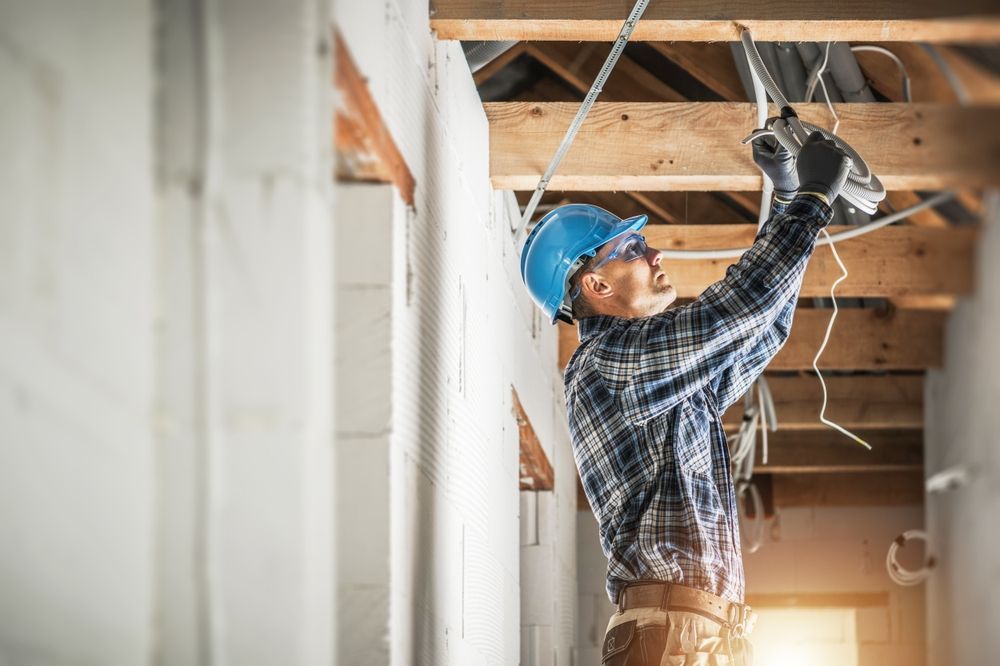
(688, 348)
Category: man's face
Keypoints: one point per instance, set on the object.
(627, 285)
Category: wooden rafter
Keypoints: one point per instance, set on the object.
(848, 489)
(886, 262)
(498, 63)
(718, 20)
(828, 451)
(859, 402)
(365, 148)
(862, 340)
(695, 146)
(712, 64)
(536, 470)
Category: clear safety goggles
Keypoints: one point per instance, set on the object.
(630, 247)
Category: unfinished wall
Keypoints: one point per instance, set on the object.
(463, 332)
(77, 345)
(962, 425)
(166, 313)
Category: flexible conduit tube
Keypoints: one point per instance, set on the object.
(760, 94)
(862, 188)
(731, 253)
(581, 114)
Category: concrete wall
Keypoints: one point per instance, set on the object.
(77, 358)
(166, 364)
(962, 424)
(463, 333)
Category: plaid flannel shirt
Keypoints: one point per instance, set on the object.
(645, 397)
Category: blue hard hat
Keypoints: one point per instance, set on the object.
(558, 241)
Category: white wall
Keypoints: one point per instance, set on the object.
(963, 423)
(77, 336)
(166, 364)
(463, 333)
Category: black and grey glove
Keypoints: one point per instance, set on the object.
(822, 167)
(777, 164)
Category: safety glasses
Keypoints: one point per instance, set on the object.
(629, 248)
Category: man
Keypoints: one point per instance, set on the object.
(645, 392)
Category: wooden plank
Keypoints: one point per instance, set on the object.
(849, 489)
(712, 64)
(696, 145)
(535, 469)
(861, 340)
(887, 262)
(365, 148)
(828, 451)
(927, 217)
(718, 20)
(860, 402)
(579, 64)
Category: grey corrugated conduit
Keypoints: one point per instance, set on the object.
(862, 188)
(480, 54)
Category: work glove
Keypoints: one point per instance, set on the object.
(777, 164)
(822, 167)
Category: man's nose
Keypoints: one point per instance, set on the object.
(653, 256)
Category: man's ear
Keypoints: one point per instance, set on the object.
(595, 287)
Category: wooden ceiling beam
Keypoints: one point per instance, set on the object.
(491, 68)
(892, 261)
(862, 339)
(712, 64)
(696, 145)
(718, 20)
(858, 402)
(827, 451)
(848, 489)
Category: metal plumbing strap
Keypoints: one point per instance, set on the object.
(581, 114)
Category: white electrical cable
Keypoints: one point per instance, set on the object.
(581, 114)
(907, 96)
(822, 348)
(897, 573)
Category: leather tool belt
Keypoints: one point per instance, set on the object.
(738, 618)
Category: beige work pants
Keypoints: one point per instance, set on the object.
(652, 637)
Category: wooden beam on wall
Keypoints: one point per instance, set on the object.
(862, 339)
(859, 402)
(365, 148)
(848, 489)
(827, 451)
(893, 261)
(828, 600)
(696, 145)
(718, 20)
(536, 470)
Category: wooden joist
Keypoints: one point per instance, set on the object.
(848, 489)
(696, 146)
(365, 148)
(861, 340)
(860, 402)
(892, 261)
(828, 451)
(718, 20)
(535, 469)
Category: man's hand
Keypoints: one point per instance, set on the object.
(777, 164)
(822, 167)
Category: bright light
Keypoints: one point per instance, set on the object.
(812, 636)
